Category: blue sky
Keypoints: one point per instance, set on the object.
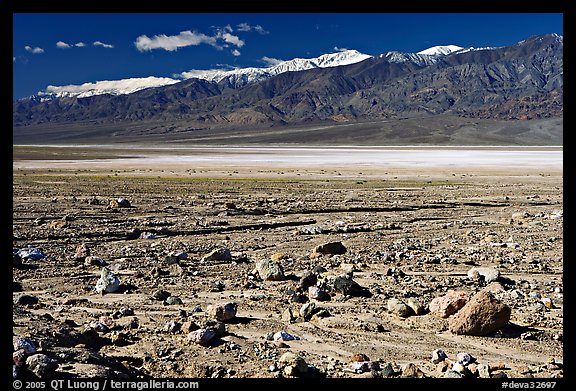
(74, 48)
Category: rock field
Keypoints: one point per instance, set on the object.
(284, 276)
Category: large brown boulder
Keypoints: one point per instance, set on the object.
(482, 315)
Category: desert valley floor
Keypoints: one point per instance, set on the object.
(360, 247)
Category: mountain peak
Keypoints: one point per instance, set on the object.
(241, 76)
(440, 50)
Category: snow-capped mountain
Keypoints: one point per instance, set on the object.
(424, 57)
(440, 50)
(112, 87)
(241, 76)
(517, 82)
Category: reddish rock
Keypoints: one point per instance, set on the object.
(222, 312)
(450, 303)
(359, 357)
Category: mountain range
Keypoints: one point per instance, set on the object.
(518, 82)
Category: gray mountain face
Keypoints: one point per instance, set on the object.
(522, 81)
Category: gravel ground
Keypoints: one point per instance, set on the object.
(175, 244)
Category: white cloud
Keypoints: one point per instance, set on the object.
(233, 39)
(62, 45)
(104, 45)
(244, 27)
(235, 52)
(173, 42)
(270, 61)
(188, 38)
(260, 30)
(340, 49)
(35, 50)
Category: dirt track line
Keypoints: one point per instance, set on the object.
(126, 236)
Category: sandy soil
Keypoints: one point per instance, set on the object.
(409, 232)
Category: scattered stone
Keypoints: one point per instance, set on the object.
(307, 280)
(308, 231)
(123, 311)
(293, 365)
(94, 201)
(482, 315)
(284, 336)
(161, 295)
(24, 344)
(308, 309)
(319, 270)
(218, 255)
(483, 371)
(173, 300)
(217, 286)
(277, 257)
(359, 357)
(268, 270)
(92, 260)
(288, 315)
(172, 326)
(450, 303)
(411, 370)
(464, 358)
(364, 366)
(222, 312)
(97, 326)
(147, 235)
(318, 294)
(107, 321)
(547, 302)
(181, 255)
(332, 248)
(417, 307)
(438, 356)
(487, 274)
(497, 366)
(134, 234)
(171, 260)
(82, 251)
(189, 326)
(30, 253)
(399, 308)
(461, 369)
(202, 336)
(19, 358)
(27, 300)
(176, 270)
(108, 282)
(348, 287)
(321, 313)
(218, 327)
(453, 374)
(57, 224)
(119, 202)
(42, 365)
(387, 370)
